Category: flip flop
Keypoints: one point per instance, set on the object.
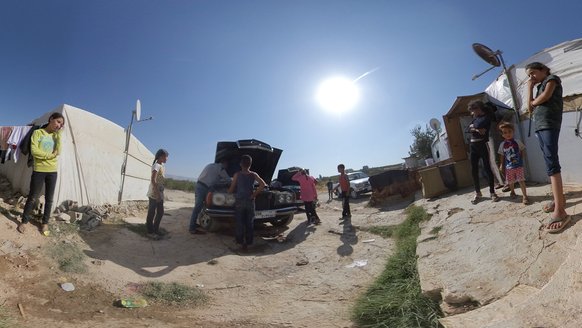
(564, 222)
(549, 207)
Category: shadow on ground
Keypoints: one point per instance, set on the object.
(156, 258)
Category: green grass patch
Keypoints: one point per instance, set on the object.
(382, 231)
(69, 257)
(172, 293)
(435, 230)
(6, 321)
(395, 300)
(63, 229)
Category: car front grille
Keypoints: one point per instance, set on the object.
(263, 201)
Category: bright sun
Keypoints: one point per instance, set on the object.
(338, 94)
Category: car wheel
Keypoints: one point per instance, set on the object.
(353, 194)
(207, 222)
(285, 221)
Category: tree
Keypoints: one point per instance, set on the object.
(421, 147)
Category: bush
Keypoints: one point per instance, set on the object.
(183, 185)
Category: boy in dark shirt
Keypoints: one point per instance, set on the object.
(243, 187)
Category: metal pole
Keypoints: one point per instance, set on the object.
(123, 166)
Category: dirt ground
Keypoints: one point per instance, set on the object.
(304, 281)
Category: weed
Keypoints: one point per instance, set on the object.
(173, 293)
(382, 231)
(6, 321)
(435, 230)
(395, 298)
(69, 257)
(63, 229)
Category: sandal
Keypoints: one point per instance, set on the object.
(525, 200)
(506, 188)
(549, 207)
(476, 199)
(512, 195)
(494, 198)
(45, 230)
(564, 222)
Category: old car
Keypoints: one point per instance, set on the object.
(275, 206)
(359, 184)
(284, 181)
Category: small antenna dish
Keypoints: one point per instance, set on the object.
(138, 110)
(435, 124)
(487, 54)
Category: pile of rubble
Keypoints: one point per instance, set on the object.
(87, 216)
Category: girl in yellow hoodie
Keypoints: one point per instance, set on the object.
(45, 146)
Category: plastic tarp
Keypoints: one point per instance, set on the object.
(92, 153)
(564, 60)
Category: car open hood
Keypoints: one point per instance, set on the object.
(265, 157)
(284, 176)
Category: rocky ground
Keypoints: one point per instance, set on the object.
(306, 279)
(495, 263)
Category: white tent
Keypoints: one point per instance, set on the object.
(564, 60)
(92, 153)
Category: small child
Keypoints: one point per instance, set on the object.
(243, 184)
(511, 153)
(156, 195)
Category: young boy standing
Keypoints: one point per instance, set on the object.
(511, 154)
(344, 185)
(243, 184)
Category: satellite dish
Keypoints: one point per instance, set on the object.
(435, 124)
(138, 110)
(486, 54)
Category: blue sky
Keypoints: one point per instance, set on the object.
(211, 71)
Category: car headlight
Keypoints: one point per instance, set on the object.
(285, 198)
(223, 199)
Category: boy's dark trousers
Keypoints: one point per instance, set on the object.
(346, 204)
(244, 215)
(310, 212)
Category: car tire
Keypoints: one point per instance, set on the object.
(285, 221)
(353, 194)
(207, 222)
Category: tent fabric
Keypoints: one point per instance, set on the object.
(92, 153)
(564, 60)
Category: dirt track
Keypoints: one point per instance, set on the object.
(264, 287)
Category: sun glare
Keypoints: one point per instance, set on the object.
(337, 94)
